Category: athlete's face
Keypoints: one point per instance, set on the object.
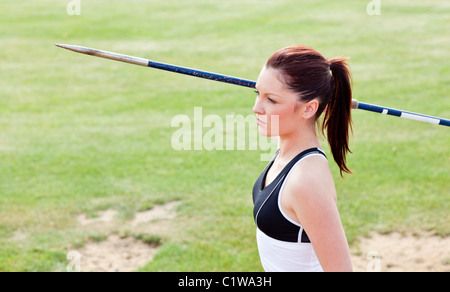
(277, 108)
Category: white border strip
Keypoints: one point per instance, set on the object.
(420, 118)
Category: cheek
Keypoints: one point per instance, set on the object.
(281, 119)
(278, 122)
(286, 122)
(271, 128)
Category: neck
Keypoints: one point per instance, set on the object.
(294, 143)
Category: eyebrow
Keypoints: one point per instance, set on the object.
(268, 93)
(273, 94)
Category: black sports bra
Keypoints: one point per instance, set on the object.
(266, 212)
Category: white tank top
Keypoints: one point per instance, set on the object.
(283, 256)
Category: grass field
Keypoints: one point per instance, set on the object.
(80, 134)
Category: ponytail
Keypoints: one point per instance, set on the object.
(307, 73)
(337, 120)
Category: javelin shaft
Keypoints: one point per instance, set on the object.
(401, 114)
(161, 66)
(242, 82)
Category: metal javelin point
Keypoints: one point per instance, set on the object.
(242, 82)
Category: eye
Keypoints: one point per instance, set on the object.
(269, 99)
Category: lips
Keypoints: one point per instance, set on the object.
(260, 122)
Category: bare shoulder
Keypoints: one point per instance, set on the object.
(311, 180)
(310, 198)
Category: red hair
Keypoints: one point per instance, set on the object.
(306, 72)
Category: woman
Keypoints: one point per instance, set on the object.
(298, 223)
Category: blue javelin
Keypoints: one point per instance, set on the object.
(243, 82)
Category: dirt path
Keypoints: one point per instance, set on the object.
(380, 252)
(403, 253)
(117, 253)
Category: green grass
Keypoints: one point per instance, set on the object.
(81, 134)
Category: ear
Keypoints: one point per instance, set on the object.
(310, 109)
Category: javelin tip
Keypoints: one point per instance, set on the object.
(78, 49)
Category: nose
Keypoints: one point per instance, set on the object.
(258, 109)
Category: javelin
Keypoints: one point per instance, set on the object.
(243, 82)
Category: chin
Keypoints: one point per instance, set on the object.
(263, 131)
